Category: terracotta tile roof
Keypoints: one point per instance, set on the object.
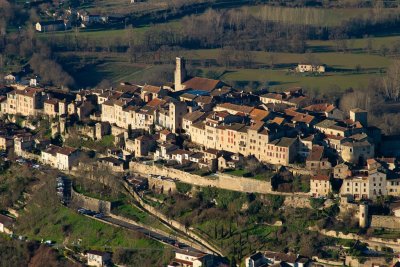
(309, 138)
(357, 144)
(325, 107)
(237, 108)
(256, 126)
(29, 91)
(316, 153)
(194, 116)
(5, 220)
(334, 137)
(151, 89)
(156, 102)
(203, 99)
(284, 142)
(52, 101)
(66, 150)
(202, 84)
(303, 118)
(277, 120)
(320, 177)
(212, 151)
(258, 114)
(165, 131)
(187, 96)
(291, 112)
(221, 114)
(108, 103)
(144, 138)
(273, 96)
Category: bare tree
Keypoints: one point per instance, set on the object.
(391, 83)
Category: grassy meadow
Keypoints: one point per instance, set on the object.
(351, 66)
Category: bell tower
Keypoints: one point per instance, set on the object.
(180, 73)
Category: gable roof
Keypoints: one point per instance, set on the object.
(151, 89)
(194, 116)
(5, 220)
(258, 114)
(316, 154)
(202, 84)
(320, 177)
(238, 108)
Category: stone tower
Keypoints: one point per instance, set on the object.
(363, 215)
(180, 73)
(359, 115)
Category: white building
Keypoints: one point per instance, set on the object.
(97, 258)
(364, 184)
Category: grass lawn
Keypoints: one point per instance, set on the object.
(94, 234)
(389, 234)
(131, 212)
(260, 235)
(342, 61)
(103, 35)
(342, 69)
(45, 218)
(280, 79)
(103, 144)
(353, 44)
(266, 175)
(237, 172)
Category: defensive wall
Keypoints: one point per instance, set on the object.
(90, 203)
(390, 222)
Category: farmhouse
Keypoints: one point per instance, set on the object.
(308, 67)
(51, 26)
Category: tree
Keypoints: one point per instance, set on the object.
(369, 46)
(384, 50)
(391, 83)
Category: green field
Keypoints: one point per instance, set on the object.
(92, 233)
(350, 69)
(342, 68)
(280, 79)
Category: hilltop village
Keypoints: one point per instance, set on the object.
(210, 131)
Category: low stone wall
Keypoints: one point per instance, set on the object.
(166, 185)
(28, 155)
(375, 242)
(90, 203)
(390, 222)
(297, 202)
(327, 262)
(223, 181)
(375, 261)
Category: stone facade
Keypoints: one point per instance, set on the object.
(390, 222)
(90, 203)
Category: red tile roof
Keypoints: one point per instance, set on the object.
(202, 84)
(320, 177)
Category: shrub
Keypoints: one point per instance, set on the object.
(183, 187)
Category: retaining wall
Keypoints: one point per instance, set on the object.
(90, 203)
(390, 222)
(223, 181)
(175, 224)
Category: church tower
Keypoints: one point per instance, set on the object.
(180, 74)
